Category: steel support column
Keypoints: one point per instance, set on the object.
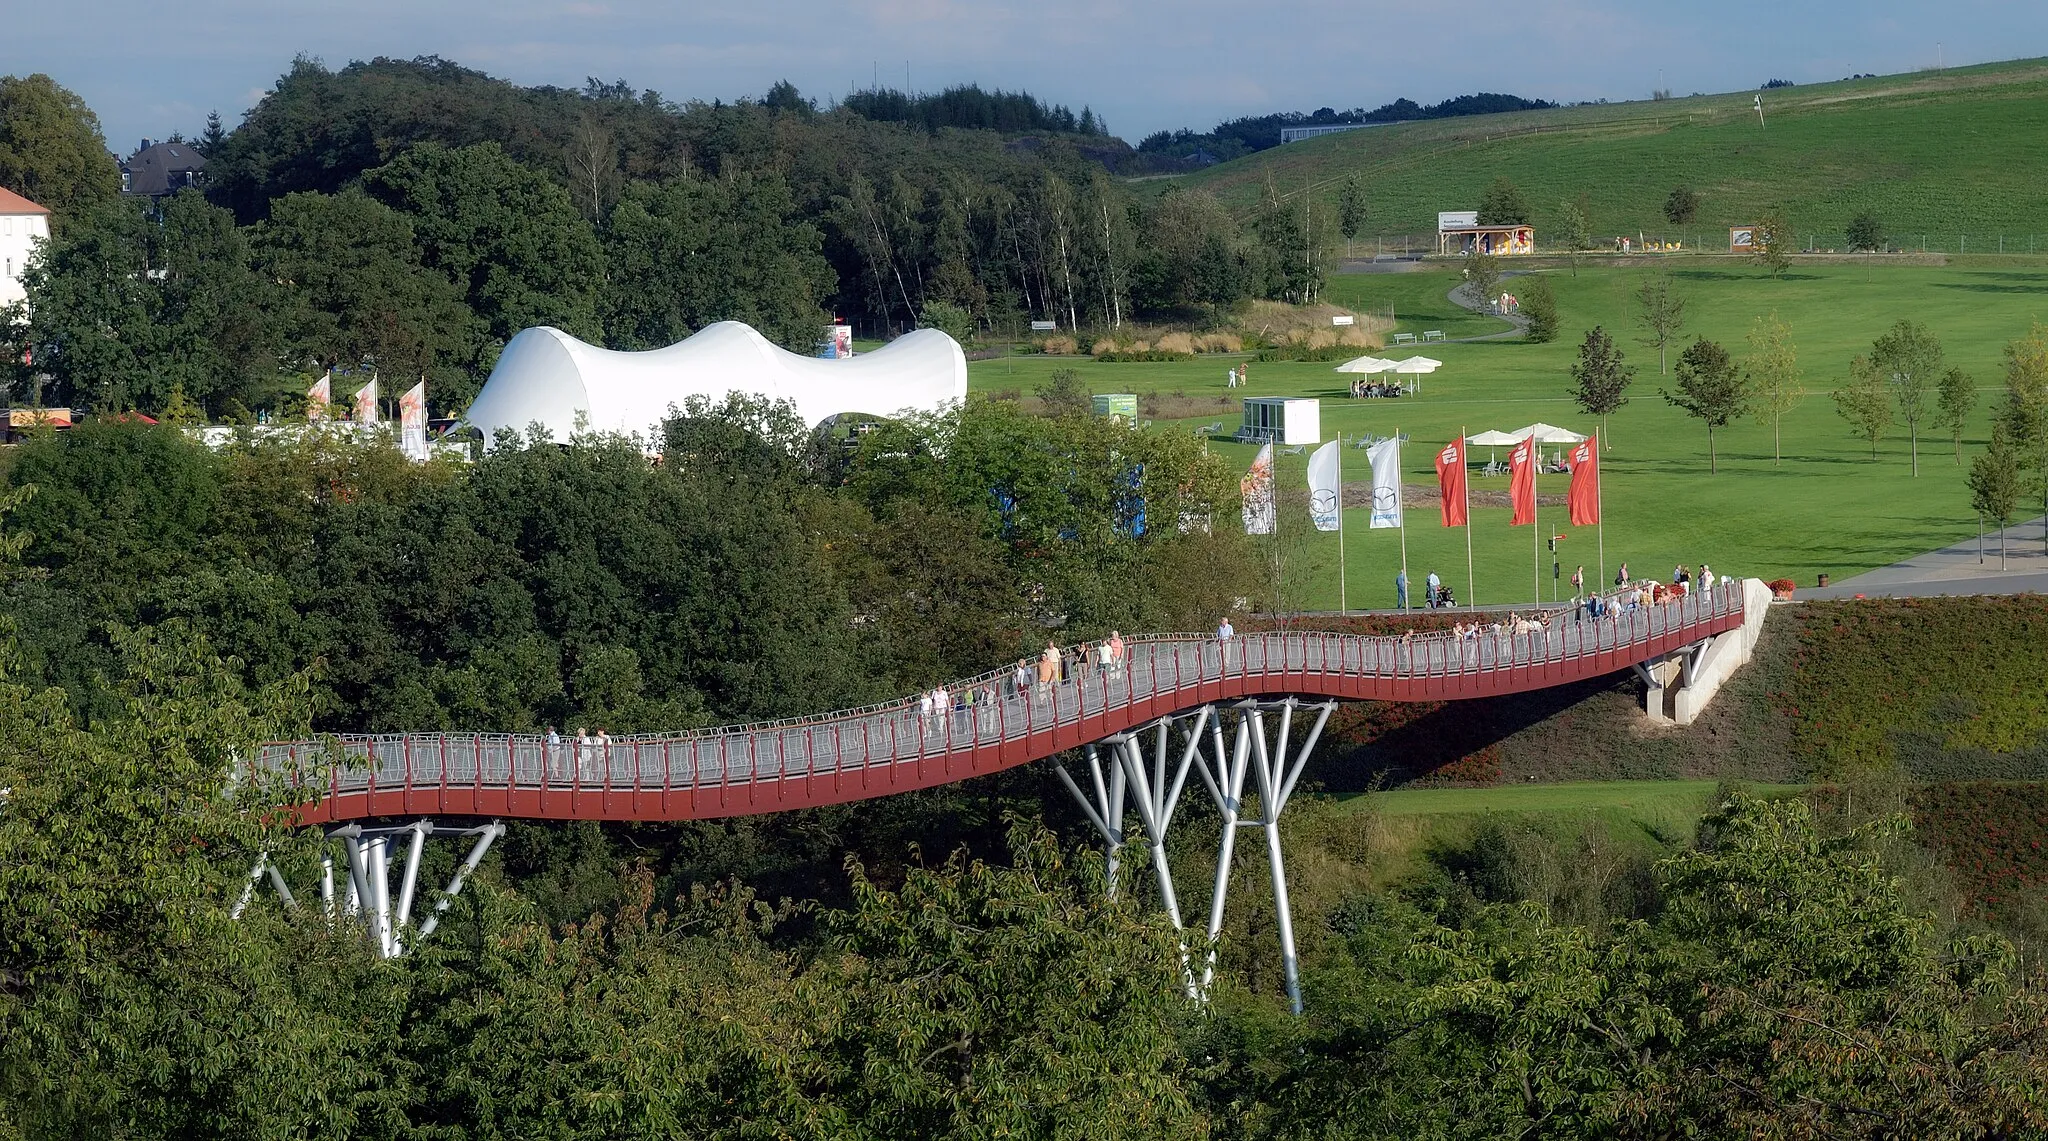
(1277, 769)
(388, 922)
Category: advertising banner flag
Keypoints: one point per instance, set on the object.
(1584, 496)
(366, 403)
(1326, 486)
(319, 397)
(1522, 482)
(1450, 482)
(412, 422)
(1385, 457)
(1257, 487)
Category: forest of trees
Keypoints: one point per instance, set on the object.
(967, 107)
(408, 217)
(1235, 138)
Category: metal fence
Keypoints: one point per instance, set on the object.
(984, 711)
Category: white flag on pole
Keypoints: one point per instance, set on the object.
(412, 422)
(1257, 486)
(1325, 485)
(366, 402)
(1385, 457)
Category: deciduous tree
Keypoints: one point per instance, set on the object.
(1681, 206)
(1503, 204)
(1602, 377)
(1350, 207)
(1866, 402)
(51, 148)
(1660, 310)
(1773, 242)
(1994, 482)
(1908, 357)
(1709, 388)
(1771, 374)
(1955, 397)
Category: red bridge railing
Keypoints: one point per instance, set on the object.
(988, 722)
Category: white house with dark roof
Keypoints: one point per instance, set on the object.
(22, 225)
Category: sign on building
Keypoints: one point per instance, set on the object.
(1456, 219)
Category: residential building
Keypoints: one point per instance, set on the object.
(157, 169)
(22, 225)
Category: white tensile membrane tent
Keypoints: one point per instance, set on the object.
(1367, 364)
(549, 378)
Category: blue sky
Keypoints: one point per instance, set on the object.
(150, 68)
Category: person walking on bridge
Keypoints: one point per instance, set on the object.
(1021, 680)
(1048, 666)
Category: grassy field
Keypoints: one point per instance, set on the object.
(1943, 158)
(1648, 798)
(1829, 507)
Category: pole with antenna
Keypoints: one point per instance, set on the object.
(1401, 505)
(1471, 584)
(1535, 515)
(1343, 597)
(1599, 510)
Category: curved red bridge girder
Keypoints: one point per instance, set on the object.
(883, 750)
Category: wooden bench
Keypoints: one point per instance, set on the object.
(1404, 338)
(1432, 334)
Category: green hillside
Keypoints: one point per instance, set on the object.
(1957, 152)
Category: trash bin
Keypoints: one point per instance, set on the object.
(1823, 578)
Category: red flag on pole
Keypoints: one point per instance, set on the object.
(1450, 482)
(1522, 482)
(1584, 496)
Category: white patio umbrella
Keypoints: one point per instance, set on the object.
(1416, 366)
(1548, 434)
(1491, 439)
(1366, 364)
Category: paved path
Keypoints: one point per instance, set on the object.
(1955, 569)
(1459, 296)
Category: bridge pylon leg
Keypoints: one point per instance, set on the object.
(368, 852)
(1276, 768)
(1154, 788)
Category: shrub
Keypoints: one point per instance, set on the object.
(1062, 346)
(1175, 343)
(1219, 343)
(1940, 684)
(1138, 355)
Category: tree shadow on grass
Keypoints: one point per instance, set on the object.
(1730, 275)
(1988, 287)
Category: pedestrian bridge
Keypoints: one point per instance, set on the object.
(880, 750)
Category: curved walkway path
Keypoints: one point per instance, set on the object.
(880, 750)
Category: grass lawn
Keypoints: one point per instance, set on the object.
(1655, 797)
(1829, 507)
(1949, 160)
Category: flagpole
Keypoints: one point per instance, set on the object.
(1343, 598)
(1535, 516)
(1400, 506)
(1471, 584)
(1600, 477)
